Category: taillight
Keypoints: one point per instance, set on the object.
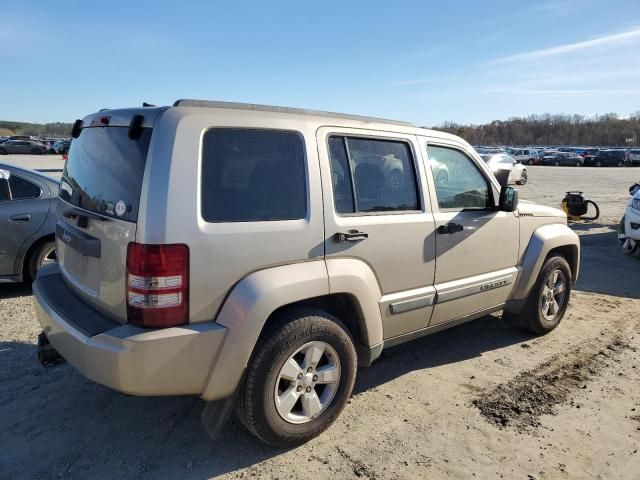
(157, 285)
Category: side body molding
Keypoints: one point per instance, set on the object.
(543, 240)
(246, 310)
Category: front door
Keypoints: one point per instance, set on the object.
(476, 245)
(377, 212)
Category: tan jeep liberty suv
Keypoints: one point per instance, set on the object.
(256, 256)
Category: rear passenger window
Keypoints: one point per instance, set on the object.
(372, 175)
(253, 175)
(22, 189)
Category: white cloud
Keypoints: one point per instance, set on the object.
(611, 40)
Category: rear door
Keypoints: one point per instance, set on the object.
(377, 211)
(22, 212)
(98, 209)
(476, 245)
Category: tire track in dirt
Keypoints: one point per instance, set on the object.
(520, 402)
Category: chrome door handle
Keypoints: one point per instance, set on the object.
(450, 228)
(20, 218)
(352, 236)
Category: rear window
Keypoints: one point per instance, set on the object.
(104, 171)
(253, 175)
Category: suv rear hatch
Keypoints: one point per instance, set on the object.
(98, 206)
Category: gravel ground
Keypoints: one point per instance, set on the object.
(481, 400)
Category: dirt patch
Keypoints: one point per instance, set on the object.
(521, 402)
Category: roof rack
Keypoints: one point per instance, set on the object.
(269, 108)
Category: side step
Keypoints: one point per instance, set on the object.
(47, 355)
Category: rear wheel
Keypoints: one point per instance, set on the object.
(598, 163)
(530, 161)
(43, 254)
(620, 164)
(548, 300)
(299, 379)
(557, 164)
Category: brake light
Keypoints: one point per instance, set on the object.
(157, 285)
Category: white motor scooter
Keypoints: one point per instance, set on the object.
(629, 229)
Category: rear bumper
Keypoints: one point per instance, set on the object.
(132, 360)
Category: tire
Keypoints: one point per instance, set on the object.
(578, 164)
(598, 163)
(627, 245)
(42, 255)
(532, 317)
(530, 162)
(284, 349)
(620, 164)
(523, 178)
(557, 164)
(3, 151)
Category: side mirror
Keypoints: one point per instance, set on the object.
(508, 199)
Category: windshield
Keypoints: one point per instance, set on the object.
(104, 171)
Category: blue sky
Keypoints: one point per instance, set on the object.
(425, 62)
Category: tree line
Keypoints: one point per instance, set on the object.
(55, 129)
(549, 129)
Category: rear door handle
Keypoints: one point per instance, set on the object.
(352, 236)
(20, 218)
(450, 228)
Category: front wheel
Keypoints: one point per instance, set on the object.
(531, 161)
(548, 300)
(557, 164)
(629, 246)
(523, 178)
(299, 380)
(578, 164)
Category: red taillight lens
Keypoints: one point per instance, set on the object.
(157, 285)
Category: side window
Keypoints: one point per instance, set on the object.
(465, 187)
(22, 189)
(372, 175)
(253, 175)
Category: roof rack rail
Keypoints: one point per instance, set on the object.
(270, 108)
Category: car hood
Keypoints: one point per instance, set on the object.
(531, 209)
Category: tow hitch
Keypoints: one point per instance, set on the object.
(47, 355)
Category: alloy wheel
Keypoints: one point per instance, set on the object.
(553, 295)
(307, 382)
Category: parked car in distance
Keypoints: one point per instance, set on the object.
(27, 215)
(567, 159)
(62, 146)
(607, 158)
(633, 157)
(506, 169)
(22, 146)
(300, 254)
(527, 156)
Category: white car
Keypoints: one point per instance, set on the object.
(500, 163)
(629, 230)
(526, 156)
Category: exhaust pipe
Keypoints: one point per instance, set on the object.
(47, 355)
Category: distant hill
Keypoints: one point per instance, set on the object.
(57, 129)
